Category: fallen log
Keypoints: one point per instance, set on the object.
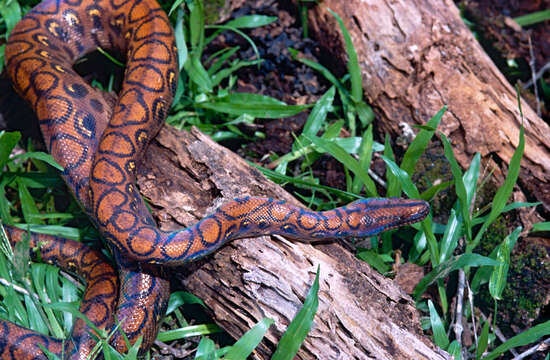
(415, 57)
(361, 315)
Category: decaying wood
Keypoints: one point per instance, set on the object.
(415, 57)
(361, 315)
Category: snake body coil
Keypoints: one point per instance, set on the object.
(99, 146)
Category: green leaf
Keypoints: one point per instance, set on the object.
(206, 350)
(249, 341)
(353, 63)
(299, 327)
(255, 105)
(533, 18)
(373, 259)
(196, 27)
(450, 237)
(459, 186)
(179, 298)
(503, 192)
(526, 337)
(394, 187)
(8, 140)
(420, 142)
(318, 115)
(42, 156)
(454, 350)
(483, 340)
(189, 331)
(541, 226)
(179, 34)
(440, 337)
(251, 21)
(445, 268)
(365, 156)
(10, 12)
(500, 272)
(349, 162)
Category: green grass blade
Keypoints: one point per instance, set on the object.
(206, 350)
(249, 341)
(533, 18)
(255, 105)
(251, 21)
(280, 178)
(499, 275)
(299, 327)
(349, 162)
(450, 237)
(393, 185)
(353, 63)
(8, 140)
(445, 268)
(526, 337)
(420, 142)
(459, 186)
(440, 337)
(470, 178)
(541, 226)
(503, 192)
(188, 331)
(179, 34)
(365, 156)
(483, 340)
(318, 115)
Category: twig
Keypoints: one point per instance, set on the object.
(459, 328)
(539, 347)
(532, 65)
(471, 300)
(499, 334)
(537, 76)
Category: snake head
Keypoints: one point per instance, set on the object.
(374, 215)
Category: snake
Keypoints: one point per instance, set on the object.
(99, 143)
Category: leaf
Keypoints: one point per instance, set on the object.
(255, 105)
(318, 114)
(372, 258)
(460, 188)
(503, 192)
(483, 340)
(440, 337)
(349, 162)
(8, 140)
(541, 226)
(179, 298)
(420, 142)
(526, 337)
(445, 268)
(189, 331)
(249, 341)
(251, 21)
(353, 63)
(299, 327)
(500, 272)
(365, 156)
(206, 350)
(450, 237)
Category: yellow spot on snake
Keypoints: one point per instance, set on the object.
(52, 28)
(130, 188)
(127, 35)
(45, 54)
(43, 40)
(131, 165)
(142, 137)
(59, 68)
(81, 123)
(94, 12)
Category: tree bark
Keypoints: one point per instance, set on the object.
(415, 57)
(361, 315)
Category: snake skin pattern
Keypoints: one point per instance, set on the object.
(99, 147)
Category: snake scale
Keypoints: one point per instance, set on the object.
(99, 145)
